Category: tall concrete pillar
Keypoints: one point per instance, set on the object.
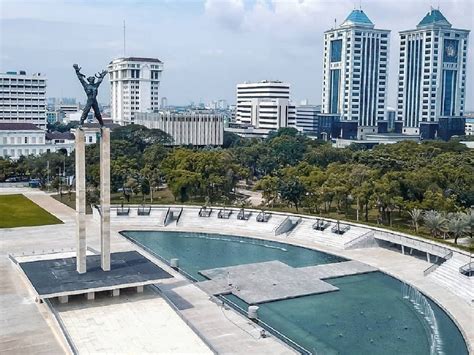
(80, 203)
(105, 199)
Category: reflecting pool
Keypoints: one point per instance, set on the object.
(370, 314)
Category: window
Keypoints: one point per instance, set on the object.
(26, 140)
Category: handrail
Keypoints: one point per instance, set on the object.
(179, 215)
(359, 238)
(277, 227)
(437, 263)
(166, 216)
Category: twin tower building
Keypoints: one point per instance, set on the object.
(431, 77)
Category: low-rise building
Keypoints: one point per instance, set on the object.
(307, 119)
(198, 128)
(92, 130)
(23, 139)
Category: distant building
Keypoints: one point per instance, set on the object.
(432, 77)
(307, 119)
(134, 87)
(92, 130)
(469, 127)
(355, 71)
(23, 139)
(187, 128)
(23, 98)
(164, 103)
(265, 105)
(53, 116)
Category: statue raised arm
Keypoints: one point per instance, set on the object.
(91, 89)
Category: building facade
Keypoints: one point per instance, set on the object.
(134, 87)
(432, 74)
(23, 98)
(265, 105)
(23, 139)
(355, 73)
(187, 128)
(307, 119)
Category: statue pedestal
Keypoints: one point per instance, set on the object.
(81, 244)
(105, 199)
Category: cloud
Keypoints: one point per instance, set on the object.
(228, 13)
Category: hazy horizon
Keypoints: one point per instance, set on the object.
(207, 47)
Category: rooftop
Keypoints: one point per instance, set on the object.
(136, 59)
(357, 18)
(59, 135)
(18, 126)
(434, 18)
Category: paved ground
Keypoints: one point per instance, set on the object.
(130, 324)
(265, 282)
(26, 328)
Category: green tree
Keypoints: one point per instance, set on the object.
(435, 222)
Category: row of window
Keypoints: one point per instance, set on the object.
(23, 140)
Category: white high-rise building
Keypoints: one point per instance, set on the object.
(432, 73)
(134, 87)
(23, 98)
(265, 105)
(355, 74)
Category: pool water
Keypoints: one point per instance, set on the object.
(370, 314)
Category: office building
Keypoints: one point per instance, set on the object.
(200, 128)
(134, 87)
(432, 76)
(355, 72)
(307, 119)
(265, 105)
(23, 98)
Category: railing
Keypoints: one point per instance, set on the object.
(179, 215)
(420, 245)
(467, 269)
(358, 239)
(165, 221)
(437, 263)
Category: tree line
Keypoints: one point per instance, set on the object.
(292, 171)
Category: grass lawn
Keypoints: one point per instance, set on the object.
(19, 211)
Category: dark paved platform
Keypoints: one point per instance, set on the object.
(58, 277)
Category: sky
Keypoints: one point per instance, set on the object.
(207, 46)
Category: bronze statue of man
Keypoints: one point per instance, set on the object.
(91, 88)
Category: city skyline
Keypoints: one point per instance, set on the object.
(210, 48)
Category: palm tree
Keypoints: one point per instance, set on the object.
(434, 221)
(416, 216)
(457, 225)
(469, 218)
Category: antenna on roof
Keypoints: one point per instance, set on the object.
(335, 23)
(124, 38)
(360, 5)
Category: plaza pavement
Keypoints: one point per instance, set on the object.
(225, 330)
(132, 323)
